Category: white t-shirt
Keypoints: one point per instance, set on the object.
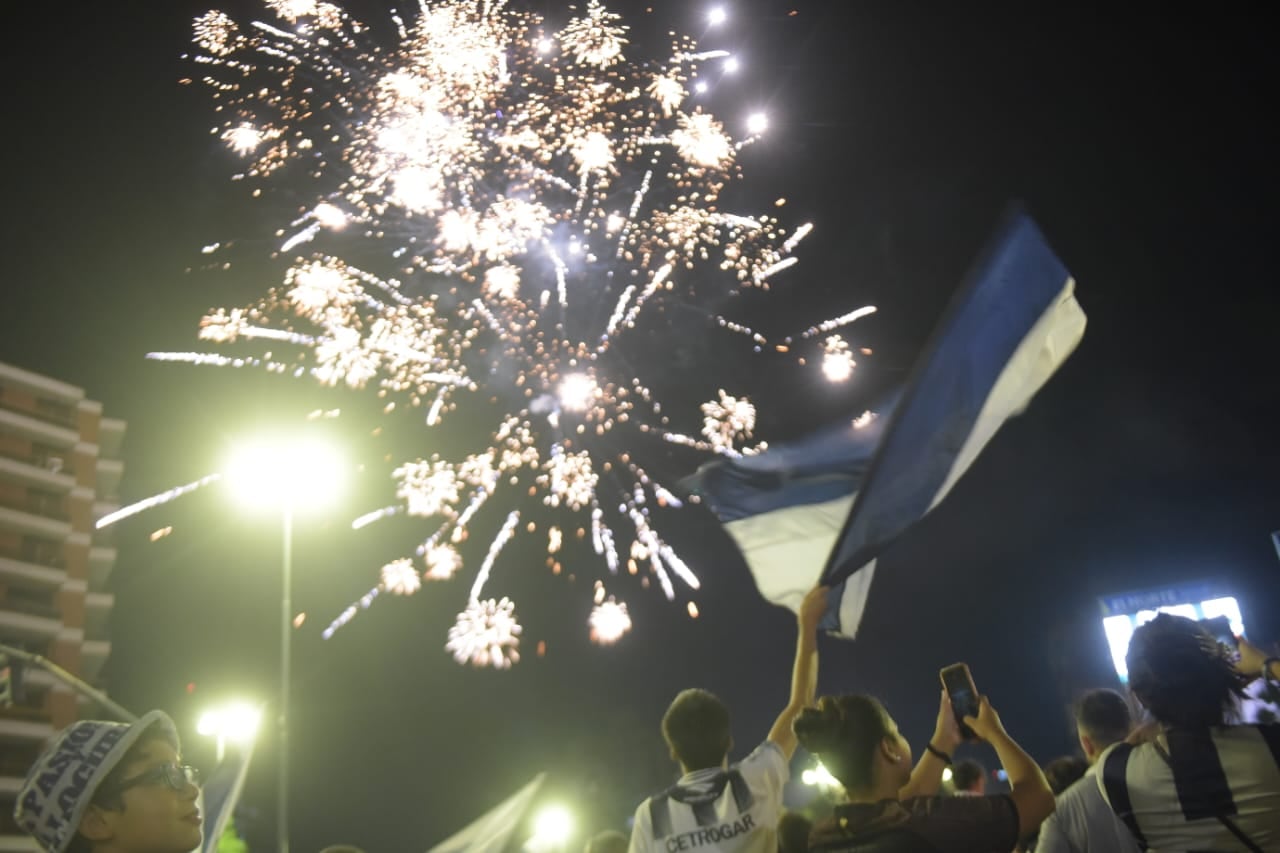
(734, 810)
(1084, 823)
(1233, 771)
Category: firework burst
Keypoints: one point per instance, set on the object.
(609, 619)
(522, 198)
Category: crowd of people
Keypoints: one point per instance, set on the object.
(1184, 775)
(1187, 775)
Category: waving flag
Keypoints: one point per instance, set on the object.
(495, 830)
(220, 793)
(828, 506)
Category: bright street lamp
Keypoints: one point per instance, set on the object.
(551, 829)
(295, 475)
(236, 723)
(289, 474)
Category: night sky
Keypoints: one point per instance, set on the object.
(1139, 137)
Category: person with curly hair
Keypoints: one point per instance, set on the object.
(1196, 779)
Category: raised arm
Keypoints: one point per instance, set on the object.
(804, 675)
(1254, 662)
(1031, 792)
(926, 778)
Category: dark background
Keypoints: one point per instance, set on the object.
(1140, 137)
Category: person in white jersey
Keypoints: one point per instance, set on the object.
(1202, 781)
(717, 806)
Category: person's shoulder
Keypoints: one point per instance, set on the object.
(964, 823)
(767, 752)
(1248, 744)
(1081, 801)
(826, 833)
(641, 836)
(642, 810)
(1269, 732)
(1120, 757)
(957, 807)
(853, 826)
(1080, 792)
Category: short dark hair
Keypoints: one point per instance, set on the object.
(1182, 674)
(1062, 773)
(793, 833)
(845, 732)
(1103, 714)
(965, 773)
(696, 727)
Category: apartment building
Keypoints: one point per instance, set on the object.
(60, 470)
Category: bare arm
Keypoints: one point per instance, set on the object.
(804, 675)
(1031, 792)
(1254, 661)
(926, 778)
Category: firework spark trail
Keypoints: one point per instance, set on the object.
(659, 279)
(376, 515)
(508, 186)
(215, 360)
(154, 501)
(836, 322)
(495, 548)
(811, 332)
(602, 540)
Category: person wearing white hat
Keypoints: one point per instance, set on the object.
(105, 787)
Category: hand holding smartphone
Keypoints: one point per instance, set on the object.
(1220, 628)
(958, 683)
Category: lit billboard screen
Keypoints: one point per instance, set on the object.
(1121, 614)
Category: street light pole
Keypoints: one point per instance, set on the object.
(288, 475)
(286, 640)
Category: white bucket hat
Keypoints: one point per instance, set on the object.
(62, 782)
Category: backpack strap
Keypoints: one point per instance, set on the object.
(1117, 786)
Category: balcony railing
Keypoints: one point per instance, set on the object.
(9, 826)
(32, 553)
(13, 763)
(49, 460)
(30, 606)
(46, 507)
(25, 713)
(62, 419)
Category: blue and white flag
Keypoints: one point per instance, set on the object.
(495, 830)
(220, 793)
(828, 506)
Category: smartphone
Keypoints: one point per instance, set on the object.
(958, 683)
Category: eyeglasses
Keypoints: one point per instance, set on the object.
(176, 776)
